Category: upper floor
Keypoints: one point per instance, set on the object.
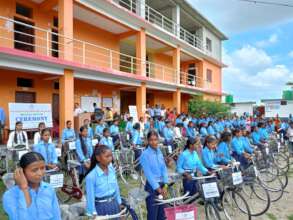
(165, 41)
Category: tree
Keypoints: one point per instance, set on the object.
(198, 107)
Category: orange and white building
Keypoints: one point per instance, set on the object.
(131, 52)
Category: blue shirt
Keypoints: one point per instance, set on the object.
(203, 132)
(211, 130)
(2, 116)
(263, 134)
(223, 148)
(178, 121)
(154, 167)
(168, 134)
(89, 147)
(209, 158)
(237, 145)
(161, 126)
(129, 127)
(255, 138)
(247, 145)
(190, 132)
(190, 161)
(99, 184)
(90, 133)
(136, 139)
(157, 112)
(99, 129)
(44, 204)
(107, 141)
(48, 151)
(114, 130)
(67, 134)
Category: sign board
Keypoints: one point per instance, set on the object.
(107, 102)
(87, 103)
(210, 190)
(133, 113)
(56, 180)
(30, 114)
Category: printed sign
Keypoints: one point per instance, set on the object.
(210, 190)
(237, 178)
(71, 145)
(185, 216)
(133, 112)
(30, 114)
(58, 151)
(56, 180)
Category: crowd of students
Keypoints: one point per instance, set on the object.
(211, 143)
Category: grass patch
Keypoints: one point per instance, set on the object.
(290, 217)
(271, 216)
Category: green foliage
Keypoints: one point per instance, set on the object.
(198, 107)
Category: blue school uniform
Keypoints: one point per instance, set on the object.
(255, 138)
(129, 127)
(155, 171)
(246, 144)
(238, 149)
(168, 134)
(107, 141)
(161, 126)
(190, 132)
(102, 186)
(68, 134)
(178, 121)
(44, 204)
(99, 130)
(209, 158)
(263, 134)
(136, 138)
(90, 133)
(81, 156)
(114, 130)
(223, 148)
(48, 151)
(203, 132)
(190, 162)
(211, 130)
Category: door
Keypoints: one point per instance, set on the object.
(55, 107)
(25, 97)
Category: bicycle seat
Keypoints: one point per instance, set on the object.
(19, 147)
(73, 163)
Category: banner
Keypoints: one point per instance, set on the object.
(30, 114)
(133, 112)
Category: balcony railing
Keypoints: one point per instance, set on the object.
(158, 19)
(51, 44)
(194, 81)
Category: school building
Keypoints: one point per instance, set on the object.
(126, 52)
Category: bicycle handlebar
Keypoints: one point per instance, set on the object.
(166, 201)
(106, 217)
(204, 177)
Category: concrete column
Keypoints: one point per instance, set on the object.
(141, 99)
(66, 97)
(141, 52)
(177, 100)
(140, 7)
(176, 63)
(65, 22)
(176, 20)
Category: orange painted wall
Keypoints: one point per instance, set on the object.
(216, 83)
(214, 98)
(157, 70)
(165, 98)
(184, 102)
(44, 88)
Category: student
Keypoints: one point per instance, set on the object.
(129, 126)
(264, 136)
(90, 133)
(114, 130)
(37, 135)
(107, 139)
(209, 154)
(31, 198)
(47, 150)
(84, 151)
(203, 130)
(189, 163)
(18, 137)
(190, 130)
(246, 142)
(178, 131)
(99, 129)
(68, 133)
(102, 190)
(155, 171)
(141, 123)
(168, 134)
(239, 152)
(210, 129)
(108, 116)
(136, 137)
(223, 149)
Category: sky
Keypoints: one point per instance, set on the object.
(259, 52)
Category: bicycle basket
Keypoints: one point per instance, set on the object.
(183, 212)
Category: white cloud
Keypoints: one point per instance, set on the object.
(233, 16)
(290, 54)
(271, 40)
(267, 81)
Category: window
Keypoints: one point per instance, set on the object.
(55, 22)
(23, 82)
(283, 102)
(56, 85)
(209, 44)
(192, 74)
(24, 38)
(209, 75)
(24, 11)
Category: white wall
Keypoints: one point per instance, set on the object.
(240, 108)
(216, 44)
(272, 108)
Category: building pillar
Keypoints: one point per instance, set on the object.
(141, 100)
(66, 97)
(177, 100)
(140, 8)
(176, 64)
(65, 22)
(141, 53)
(176, 20)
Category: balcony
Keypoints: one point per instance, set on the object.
(153, 16)
(49, 43)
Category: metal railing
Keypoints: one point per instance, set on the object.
(195, 81)
(160, 20)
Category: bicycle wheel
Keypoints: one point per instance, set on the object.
(285, 180)
(235, 206)
(211, 211)
(257, 197)
(275, 189)
(282, 162)
(129, 176)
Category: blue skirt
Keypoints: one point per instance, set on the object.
(107, 208)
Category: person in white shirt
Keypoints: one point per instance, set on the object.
(141, 123)
(77, 109)
(17, 137)
(290, 136)
(178, 131)
(37, 135)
